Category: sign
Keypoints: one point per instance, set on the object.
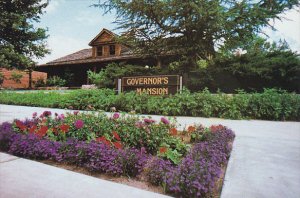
(152, 85)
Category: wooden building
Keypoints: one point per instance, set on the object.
(104, 50)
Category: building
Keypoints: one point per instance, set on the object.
(104, 49)
(22, 79)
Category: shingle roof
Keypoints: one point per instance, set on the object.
(80, 55)
(85, 56)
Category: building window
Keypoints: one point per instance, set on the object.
(112, 50)
(99, 51)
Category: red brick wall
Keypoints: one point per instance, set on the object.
(24, 80)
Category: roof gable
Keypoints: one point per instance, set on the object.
(105, 36)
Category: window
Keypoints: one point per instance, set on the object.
(112, 50)
(99, 51)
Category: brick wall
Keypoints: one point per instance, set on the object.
(24, 80)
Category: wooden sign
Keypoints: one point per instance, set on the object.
(152, 85)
